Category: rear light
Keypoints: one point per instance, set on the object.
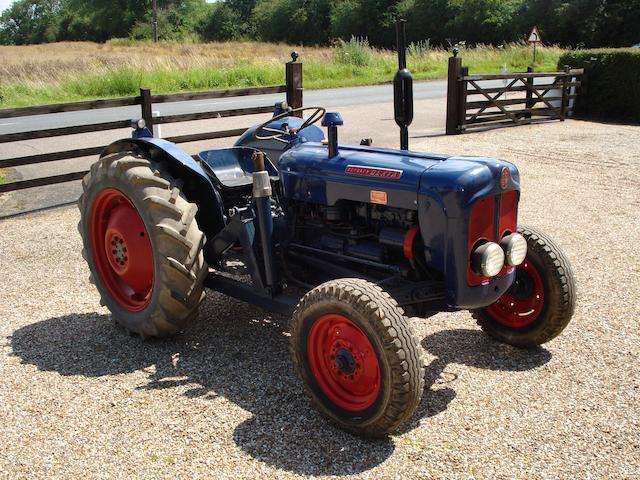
(504, 178)
(515, 249)
(487, 260)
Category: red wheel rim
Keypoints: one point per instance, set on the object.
(521, 305)
(121, 250)
(343, 362)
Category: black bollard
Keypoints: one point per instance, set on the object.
(403, 88)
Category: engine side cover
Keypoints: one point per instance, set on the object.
(358, 173)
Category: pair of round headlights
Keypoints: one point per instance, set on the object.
(489, 258)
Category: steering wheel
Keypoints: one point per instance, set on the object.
(315, 117)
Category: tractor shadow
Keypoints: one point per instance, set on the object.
(468, 347)
(240, 353)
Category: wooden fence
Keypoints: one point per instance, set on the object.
(293, 89)
(472, 104)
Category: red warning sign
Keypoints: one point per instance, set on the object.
(534, 36)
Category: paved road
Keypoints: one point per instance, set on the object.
(334, 97)
(368, 112)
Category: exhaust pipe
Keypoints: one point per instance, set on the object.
(262, 201)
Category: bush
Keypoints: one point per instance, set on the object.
(613, 91)
(356, 52)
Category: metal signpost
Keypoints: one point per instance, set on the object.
(534, 38)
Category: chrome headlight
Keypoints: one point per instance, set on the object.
(488, 259)
(138, 123)
(515, 248)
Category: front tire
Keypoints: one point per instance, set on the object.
(142, 244)
(540, 303)
(357, 356)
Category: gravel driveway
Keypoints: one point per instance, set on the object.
(80, 398)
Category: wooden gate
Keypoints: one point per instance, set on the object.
(508, 99)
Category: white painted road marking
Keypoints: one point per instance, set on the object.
(5, 124)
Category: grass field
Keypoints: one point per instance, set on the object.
(60, 72)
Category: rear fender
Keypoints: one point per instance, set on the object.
(197, 186)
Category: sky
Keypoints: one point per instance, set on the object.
(4, 4)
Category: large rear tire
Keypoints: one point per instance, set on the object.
(357, 356)
(142, 244)
(540, 303)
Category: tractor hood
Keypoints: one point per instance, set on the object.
(358, 173)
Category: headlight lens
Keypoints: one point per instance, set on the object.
(138, 123)
(515, 249)
(488, 259)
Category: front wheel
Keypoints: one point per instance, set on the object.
(541, 301)
(357, 356)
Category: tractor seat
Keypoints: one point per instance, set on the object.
(232, 168)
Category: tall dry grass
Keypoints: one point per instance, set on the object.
(69, 71)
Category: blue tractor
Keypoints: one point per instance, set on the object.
(350, 241)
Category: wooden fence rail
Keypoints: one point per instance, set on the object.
(490, 106)
(293, 90)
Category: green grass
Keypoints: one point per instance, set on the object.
(351, 63)
(3, 176)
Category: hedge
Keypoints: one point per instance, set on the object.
(613, 88)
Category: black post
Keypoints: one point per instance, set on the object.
(293, 75)
(401, 39)
(147, 107)
(453, 95)
(403, 87)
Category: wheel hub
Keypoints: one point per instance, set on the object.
(523, 286)
(118, 251)
(521, 305)
(343, 362)
(121, 249)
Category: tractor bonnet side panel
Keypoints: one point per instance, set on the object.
(360, 174)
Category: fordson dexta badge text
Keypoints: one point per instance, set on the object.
(373, 172)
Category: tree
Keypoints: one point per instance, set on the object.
(177, 20)
(484, 21)
(428, 20)
(100, 20)
(223, 22)
(373, 19)
(30, 21)
(304, 21)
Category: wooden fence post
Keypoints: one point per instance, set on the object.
(294, 82)
(453, 95)
(565, 93)
(147, 107)
(582, 101)
(462, 98)
(529, 104)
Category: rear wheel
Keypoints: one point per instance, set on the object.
(142, 244)
(541, 301)
(356, 354)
